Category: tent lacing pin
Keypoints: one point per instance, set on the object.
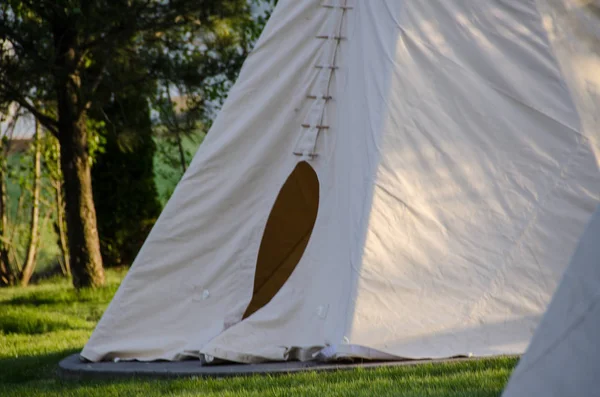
(320, 127)
(336, 6)
(337, 36)
(306, 155)
(325, 97)
(325, 37)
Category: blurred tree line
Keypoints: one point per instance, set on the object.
(104, 81)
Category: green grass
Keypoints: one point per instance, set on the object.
(42, 324)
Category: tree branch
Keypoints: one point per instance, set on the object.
(95, 83)
(40, 7)
(163, 17)
(48, 122)
(17, 42)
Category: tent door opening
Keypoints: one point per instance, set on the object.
(288, 230)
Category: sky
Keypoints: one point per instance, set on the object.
(24, 128)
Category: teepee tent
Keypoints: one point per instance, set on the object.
(564, 356)
(387, 179)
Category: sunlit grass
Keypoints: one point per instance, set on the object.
(44, 323)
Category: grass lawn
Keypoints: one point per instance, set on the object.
(44, 323)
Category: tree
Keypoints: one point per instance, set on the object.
(178, 121)
(59, 52)
(51, 154)
(34, 220)
(186, 102)
(19, 238)
(7, 270)
(123, 175)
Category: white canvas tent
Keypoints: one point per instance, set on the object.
(387, 179)
(564, 356)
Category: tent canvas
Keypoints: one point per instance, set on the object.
(564, 356)
(387, 179)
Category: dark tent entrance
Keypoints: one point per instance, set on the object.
(286, 234)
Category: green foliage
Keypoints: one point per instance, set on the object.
(66, 60)
(123, 180)
(199, 75)
(167, 169)
(17, 161)
(18, 183)
(168, 38)
(196, 76)
(96, 139)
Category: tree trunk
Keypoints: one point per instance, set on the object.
(60, 227)
(82, 233)
(181, 153)
(178, 137)
(34, 229)
(5, 279)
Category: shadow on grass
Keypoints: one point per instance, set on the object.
(29, 368)
(61, 297)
